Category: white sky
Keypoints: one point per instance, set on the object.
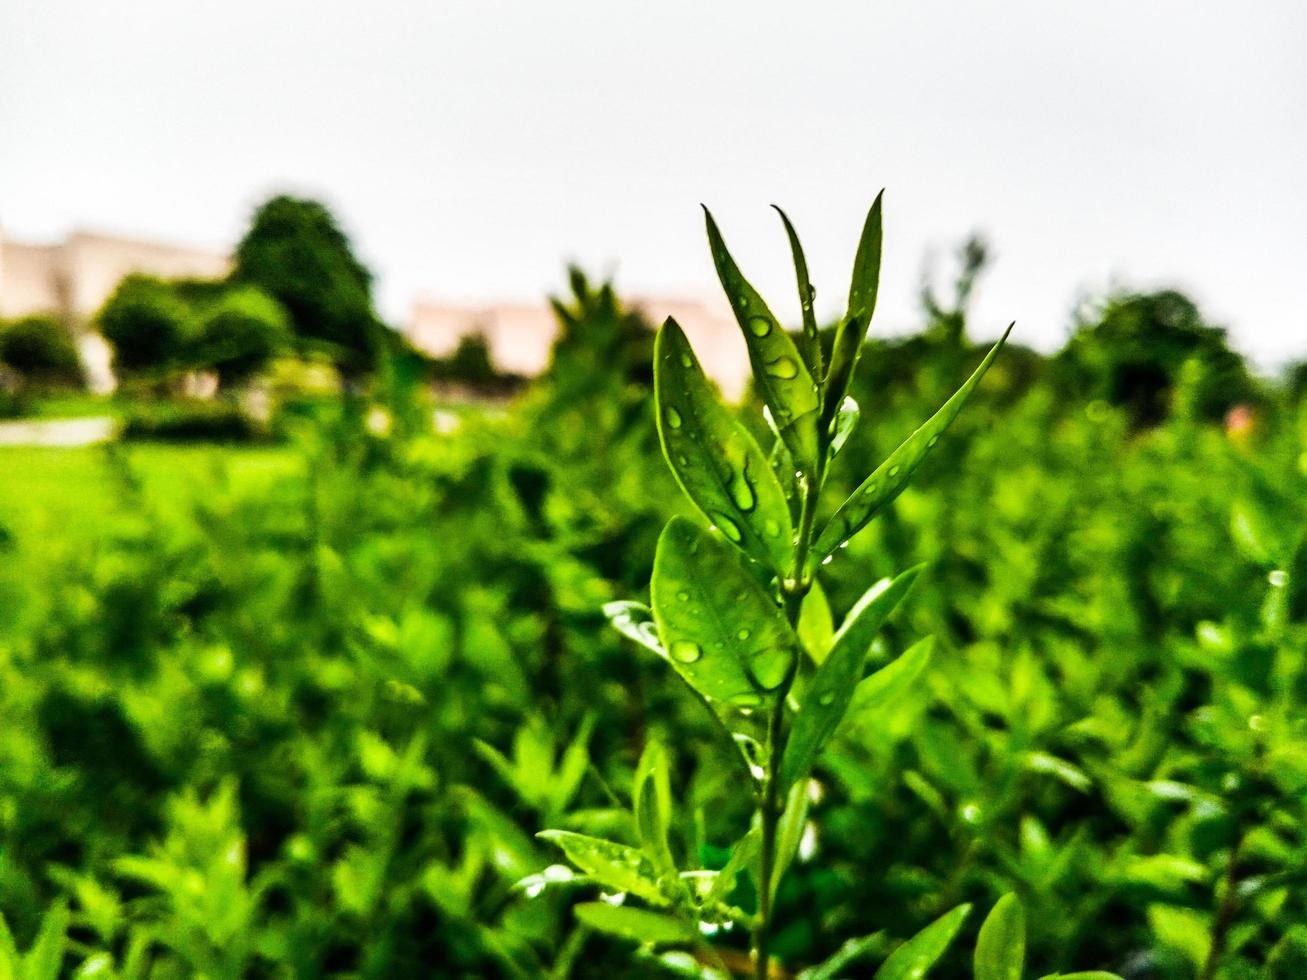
(472, 147)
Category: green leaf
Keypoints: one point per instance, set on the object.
(790, 831)
(46, 954)
(889, 479)
(653, 806)
(812, 342)
(852, 331)
(782, 376)
(742, 857)
(882, 687)
(911, 960)
(722, 632)
(636, 924)
(635, 621)
(1083, 975)
(715, 459)
(621, 868)
(816, 626)
(1001, 945)
(853, 950)
(831, 688)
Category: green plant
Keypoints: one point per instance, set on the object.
(41, 351)
(240, 331)
(296, 252)
(728, 603)
(148, 324)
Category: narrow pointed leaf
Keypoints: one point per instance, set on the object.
(722, 631)
(782, 375)
(46, 955)
(865, 283)
(653, 806)
(742, 857)
(863, 289)
(816, 626)
(1001, 945)
(614, 865)
(832, 686)
(790, 831)
(1083, 975)
(889, 479)
(812, 343)
(715, 459)
(834, 968)
(882, 687)
(635, 621)
(636, 924)
(911, 960)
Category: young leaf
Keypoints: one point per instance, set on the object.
(862, 304)
(636, 924)
(653, 806)
(715, 459)
(853, 950)
(46, 954)
(889, 479)
(812, 343)
(831, 689)
(786, 384)
(743, 855)
(1083, 975)
(635, 621)
(1001, 945)
(816, 627)
(911, 960)
(617, 866)
(722, 632)
(882, 687)
(790, 831)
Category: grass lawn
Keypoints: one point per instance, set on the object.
(56, 501)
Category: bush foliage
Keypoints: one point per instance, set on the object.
(310, 728)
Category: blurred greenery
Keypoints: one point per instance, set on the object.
(299, 710)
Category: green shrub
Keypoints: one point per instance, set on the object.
(240, 331)
(149, 327)
(41, 352)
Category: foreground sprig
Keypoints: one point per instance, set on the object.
(727, 600)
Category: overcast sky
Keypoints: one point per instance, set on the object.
(473, 147)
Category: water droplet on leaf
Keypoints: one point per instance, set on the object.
(686, 651)
(673, 418)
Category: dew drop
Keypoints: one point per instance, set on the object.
(686, 360)
(683, 595)
(930, 444)
(1278, 578)
(827, 699)
(894, 470)
(673, 418)
(759, 326)
(772, 528)
(742, 493)
(686, 651)
(783, 368)
(743, 634)
(727, 526)
(682, 460)
(746, 700)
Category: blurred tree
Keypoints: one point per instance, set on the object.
(239, 333)
(148, 325)
(1130, 351)
(40, 350)
(296, 252)
(470, 364)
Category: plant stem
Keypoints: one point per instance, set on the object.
(1225, 912)
(793, 589)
